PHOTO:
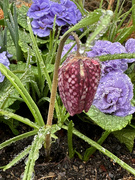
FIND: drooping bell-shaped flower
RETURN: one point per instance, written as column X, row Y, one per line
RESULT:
column 78, row 80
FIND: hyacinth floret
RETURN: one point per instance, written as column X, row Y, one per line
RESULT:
column 114, row 94
column 39, row 8
column 130, row 48
column 43, row 13
column 105, row 48
column 39, row 27
column 4, row 60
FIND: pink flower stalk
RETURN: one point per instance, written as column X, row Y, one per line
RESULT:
column 78, row 80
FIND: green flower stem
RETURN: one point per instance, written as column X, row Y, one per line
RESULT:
column 53, row 94
column 116, row 56
column 18, row 118
column 103, row 150
column 70, row 141
column 54, row 87
column 91, row 150
column 15, row 81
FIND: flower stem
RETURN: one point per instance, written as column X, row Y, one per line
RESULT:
column 77, row 42
column 54, row 87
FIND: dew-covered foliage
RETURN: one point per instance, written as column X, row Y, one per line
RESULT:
column 60, row 60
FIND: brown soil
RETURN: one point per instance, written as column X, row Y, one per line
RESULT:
column 99, row 166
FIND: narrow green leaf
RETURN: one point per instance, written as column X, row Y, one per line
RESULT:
column 44, row 72
column 116, row 56
column 101, row 28
column 91, row 150
column 133, row 12
column 34, row 152
column 11, row 30
column 18, row 158
column 124, row 34
column 90, row 19
column 8, row 94
column 18, row 118
column 17, row 138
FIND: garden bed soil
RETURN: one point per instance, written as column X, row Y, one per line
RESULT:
column 99, row 166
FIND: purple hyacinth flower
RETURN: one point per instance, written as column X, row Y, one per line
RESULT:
column 57, row 9
column 4, row 60
column 130, row 45
column 39, row 8
column 106, row 47
column 70, row 7
column 66, row 13
column 130, row 48
column 114, row 93
column 42, row 26
column 114, row 66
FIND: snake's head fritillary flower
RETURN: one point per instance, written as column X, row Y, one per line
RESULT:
column 78, row 80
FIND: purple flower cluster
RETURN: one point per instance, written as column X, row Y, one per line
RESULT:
column 106, row 47
column 114, row 93
column 44, row 11
column 115, row 90
column 4, row 60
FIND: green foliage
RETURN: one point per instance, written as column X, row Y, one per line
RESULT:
column 90, row 19
column 118, row 31
column 22, row 16
column 30, row 81
column 18, row 158
column 11, row 123
column 12, row 25
column 70, row 143
column 91, row 150
column 23, row 92
column 108, row 122
column 3, row 40
column 101, row 28
column 126, row 136
column 8, row 94
column 25, row 43
column 34, row 152
column 102, row 149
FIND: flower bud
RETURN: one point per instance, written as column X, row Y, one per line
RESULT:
column 78, row 80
